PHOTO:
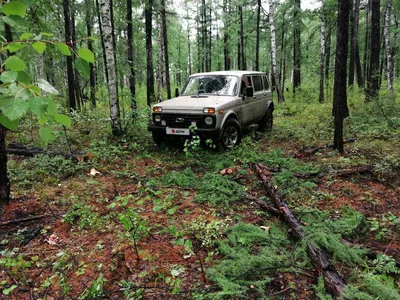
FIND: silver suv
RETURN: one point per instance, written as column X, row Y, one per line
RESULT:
column 216, row 105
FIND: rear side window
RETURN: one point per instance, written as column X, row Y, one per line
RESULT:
column 257, row 83
column 266, row 85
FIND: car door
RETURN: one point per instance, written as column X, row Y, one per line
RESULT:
column 248, row 105
column 259, row 98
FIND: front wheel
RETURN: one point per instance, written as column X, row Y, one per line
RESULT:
column 231, row 134
column 159, row 137
column 267, row 121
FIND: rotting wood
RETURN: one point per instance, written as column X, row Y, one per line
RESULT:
column 23, row 220
column 309, row 152
column 262, row 204
column 319, row 258
column 352, row 171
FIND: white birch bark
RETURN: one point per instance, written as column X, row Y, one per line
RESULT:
column 273, row 51
column 160, row 62
column 386, row 33
column 112, row 85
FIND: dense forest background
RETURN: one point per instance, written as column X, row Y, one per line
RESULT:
column 91, row 208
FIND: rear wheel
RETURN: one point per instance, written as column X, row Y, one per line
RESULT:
column 231, row 134
column 267, row 121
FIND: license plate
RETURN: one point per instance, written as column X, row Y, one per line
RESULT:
column 178, row 131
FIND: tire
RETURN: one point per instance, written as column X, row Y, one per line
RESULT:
column 231, row 134
column 159, row 137
column 267, row 121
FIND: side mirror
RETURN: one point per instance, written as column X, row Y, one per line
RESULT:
column 249, row 91
column 176, row 92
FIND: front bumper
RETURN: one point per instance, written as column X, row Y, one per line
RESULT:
column 209, row 132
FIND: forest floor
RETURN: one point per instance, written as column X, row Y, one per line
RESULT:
column 132, row 220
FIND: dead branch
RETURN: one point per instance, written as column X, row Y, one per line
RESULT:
column 262, row 204
column 352, row 171
column 23, row 220
column 309, row 152
column 333, row 281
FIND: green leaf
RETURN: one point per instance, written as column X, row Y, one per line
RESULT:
column 63, row 48
column 83, row 67
column 46, row 133
column 6, row 122
column 9, row 76
column 24, row 78
column 63, row 120
column 13, row 47
column 14, row 8
column 46, row 34
column 14, row 63
column 47, row 87
column 16, row 22
column 86, row 54
column 52, row 107
column 35, row 90
column 14, row 109
column 38, row 105
column 39, row 47
column 9, row 290
column 26, row 36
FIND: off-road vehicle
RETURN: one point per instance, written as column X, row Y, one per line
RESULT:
column 215, row 105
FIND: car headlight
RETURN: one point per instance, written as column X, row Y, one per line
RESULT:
column 157, row 109
column 208, row 121
column 209, row 110
column 157, row 118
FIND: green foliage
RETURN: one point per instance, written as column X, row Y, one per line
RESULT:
column 206, row 231
column 130, row 291
column 320, row 291
column 83, row 216
column 95, row 290
column 385, row 225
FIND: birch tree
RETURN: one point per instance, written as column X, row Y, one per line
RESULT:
column 111, row 65
column 389, row 50
column 149, row 51
column 273, row 51
column 321, row 96
column 129, row 30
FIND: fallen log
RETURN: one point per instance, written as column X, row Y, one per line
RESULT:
column 20, row 149
column 23, row 220
column 352, row 171
column 319, row 258
column 309, row 152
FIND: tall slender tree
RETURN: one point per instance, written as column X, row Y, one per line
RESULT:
column 111, row 65
column 102, row 41
column 296, row 46
column 165, row 41
column 340, row 108
column 92, row 75
column 148, row 14
column 389, row 49
column 70, row 67
column 321, row 96
column 373, row 76
column 129, row 30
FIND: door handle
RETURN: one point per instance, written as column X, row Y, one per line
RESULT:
column 254, row 97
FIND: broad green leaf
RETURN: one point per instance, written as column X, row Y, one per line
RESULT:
column 47, row 87
column 86, row 54
column 26, row 36
column 39, row 47
column 38, row 105
column 14, row 63
column 9, row 76
column 18, row 91
column 46, row 133
column 63, row 48
column 16, row 22
column 52, row 107
column 63, row 120
column 15, row 8
column 14, row 109
column 9, row 290
column 46, row 34
column 35, row 90
column 24, row 78
column 13, row 47
column 6, row 122
column 83, row 67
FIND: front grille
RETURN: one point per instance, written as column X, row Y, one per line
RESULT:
column 185, row 120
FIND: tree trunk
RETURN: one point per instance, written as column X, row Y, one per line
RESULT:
column 321, row 96
column 112, row 86
column 149, row 51
column 296, row 47
column 243, row 57
column 189, row 46
column 328, row 53
column 70, row 68
column 92, row 76
column 373, row 78
column 389, row 50
column 160, row 64
column 367, row 42
column 227, row 62
column 165, row 40
column 258, row 34
column 129, row 30
column 282, row 68
column 273, row 52
column 77, row 89
column 102, row 41
column 340, row 109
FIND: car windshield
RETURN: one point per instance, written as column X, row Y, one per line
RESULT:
column 211, row 84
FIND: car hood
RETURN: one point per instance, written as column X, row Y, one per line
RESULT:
column 194, row 103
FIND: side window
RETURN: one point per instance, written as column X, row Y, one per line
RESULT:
column 266, row 85
column 246, row 81
column 257, row 83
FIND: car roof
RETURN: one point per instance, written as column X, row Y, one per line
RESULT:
column 235, row 73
